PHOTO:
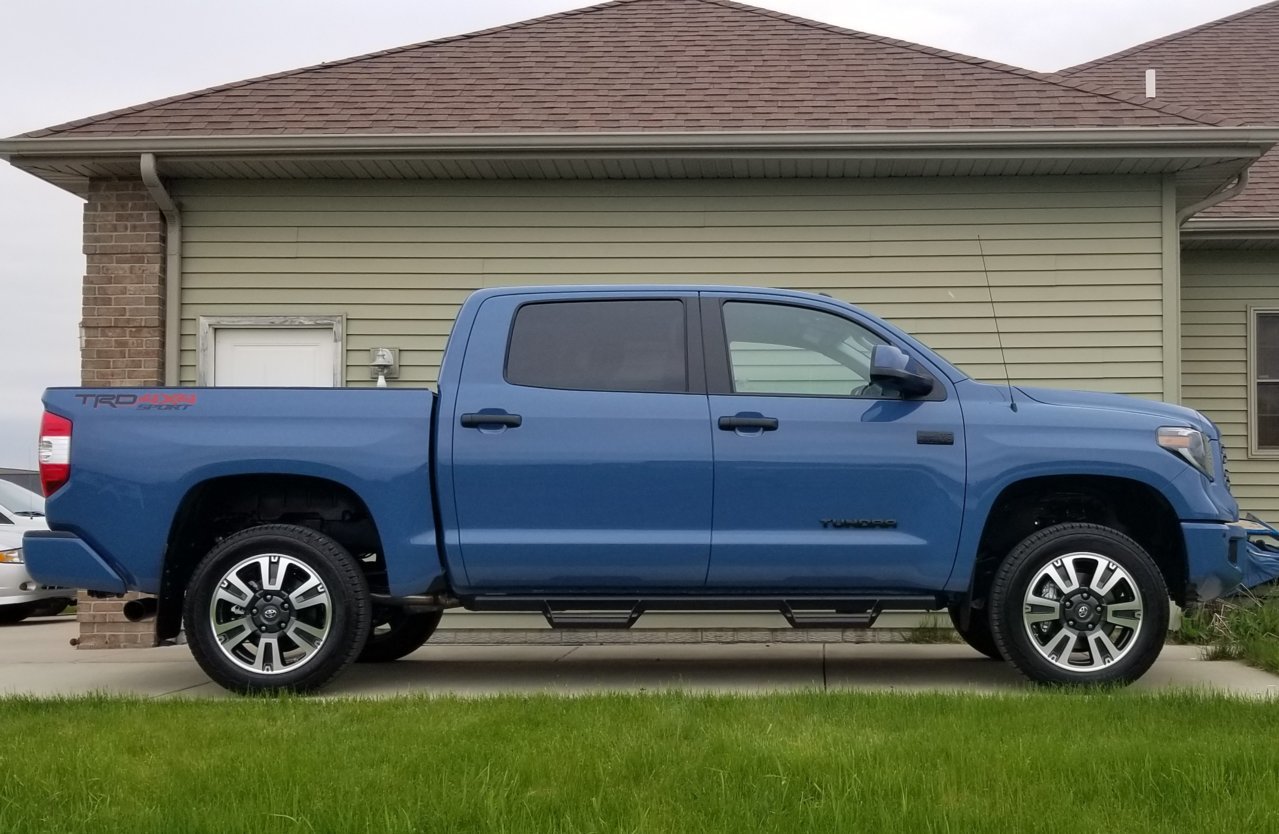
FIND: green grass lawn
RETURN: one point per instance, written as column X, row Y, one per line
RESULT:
column 1043, row 761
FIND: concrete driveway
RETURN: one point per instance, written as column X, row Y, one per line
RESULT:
column 36, row 658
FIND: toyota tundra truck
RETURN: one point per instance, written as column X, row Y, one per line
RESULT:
column 596, row 453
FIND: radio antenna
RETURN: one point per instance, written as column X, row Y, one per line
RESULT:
column 999, row 339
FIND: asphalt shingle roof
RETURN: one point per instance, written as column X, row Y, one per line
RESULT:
column 1229, row 66
column 642, row 65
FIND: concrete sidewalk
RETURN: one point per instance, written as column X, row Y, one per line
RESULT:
column 36, row 658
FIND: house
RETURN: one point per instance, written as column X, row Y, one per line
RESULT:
column 282, row 229
column 1230, row 252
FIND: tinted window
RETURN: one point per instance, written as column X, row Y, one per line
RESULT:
column 599, row 346
column 777, row 349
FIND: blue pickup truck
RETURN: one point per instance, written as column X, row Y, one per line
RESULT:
column 595, row 453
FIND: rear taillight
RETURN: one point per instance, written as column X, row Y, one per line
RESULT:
column 55, row 452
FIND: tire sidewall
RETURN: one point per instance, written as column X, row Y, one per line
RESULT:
column 342, row 578
column 1028, row 558
column 409, row 632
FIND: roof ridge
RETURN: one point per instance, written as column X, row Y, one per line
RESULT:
column 1188, row 113
column 1141, row 47
column 124, row 111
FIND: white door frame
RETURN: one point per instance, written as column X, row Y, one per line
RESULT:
column 206, row 325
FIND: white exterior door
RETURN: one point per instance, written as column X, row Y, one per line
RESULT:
column 285, row 357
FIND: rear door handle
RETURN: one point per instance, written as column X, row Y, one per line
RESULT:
column 742, row 422
column 485, row 419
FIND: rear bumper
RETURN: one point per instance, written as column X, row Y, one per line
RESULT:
column 64, row 559
column 1214, row 552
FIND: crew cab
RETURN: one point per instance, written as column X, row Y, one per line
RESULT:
column 596, row 453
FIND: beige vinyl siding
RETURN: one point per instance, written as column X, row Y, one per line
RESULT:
column 1075, row 263
column 1218, row 288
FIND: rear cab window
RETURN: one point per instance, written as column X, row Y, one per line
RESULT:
column 633, row 345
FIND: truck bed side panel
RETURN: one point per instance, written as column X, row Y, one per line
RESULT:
column 134, row 460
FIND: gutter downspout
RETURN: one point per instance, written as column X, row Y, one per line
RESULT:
column 172, row 267
column 1213, row 199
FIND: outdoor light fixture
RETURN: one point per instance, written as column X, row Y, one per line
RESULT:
column 384, row 364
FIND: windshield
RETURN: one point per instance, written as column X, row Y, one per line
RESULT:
column 20, row 501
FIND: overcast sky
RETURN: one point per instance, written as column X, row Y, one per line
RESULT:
column 64, row 59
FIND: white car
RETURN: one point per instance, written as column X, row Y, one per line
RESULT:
column 20, row 595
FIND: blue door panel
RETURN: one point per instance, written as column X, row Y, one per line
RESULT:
column 592, row 491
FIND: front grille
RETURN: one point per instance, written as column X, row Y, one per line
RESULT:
column 1225, row 465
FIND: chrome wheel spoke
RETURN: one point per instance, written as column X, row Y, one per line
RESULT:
column 272, row 572
column 1126, row 614
column 1102, row 649
column 1107, row 576
column 1065, row 574
column 1040, row 609
column 266, row 658
column 1061, row 646
column 227, row 635
column 232, row 591
column 309, row 593
column 306, row 636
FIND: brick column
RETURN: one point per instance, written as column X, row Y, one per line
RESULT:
column 123, row 341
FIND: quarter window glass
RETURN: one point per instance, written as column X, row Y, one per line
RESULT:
column 600, row 346
column 1266, row 367
column 777, row 349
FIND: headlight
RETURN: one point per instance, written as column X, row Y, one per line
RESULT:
column 11, row 557
column 1189, row 444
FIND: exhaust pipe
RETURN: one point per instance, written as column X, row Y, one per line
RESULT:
column 138, row 610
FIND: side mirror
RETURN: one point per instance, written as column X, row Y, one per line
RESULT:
column 893, row 370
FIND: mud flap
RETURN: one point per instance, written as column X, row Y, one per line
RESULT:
column 1260, row 562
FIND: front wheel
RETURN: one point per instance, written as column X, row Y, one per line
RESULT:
column 277, row 608
column 1079, row 604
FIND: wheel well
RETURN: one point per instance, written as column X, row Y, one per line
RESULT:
column 1131, row 507
column 218, row 508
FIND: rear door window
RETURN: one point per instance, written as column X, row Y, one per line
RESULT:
column 612, row 345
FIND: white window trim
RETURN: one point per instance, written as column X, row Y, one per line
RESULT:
column 206, row 325
column 1254, row 448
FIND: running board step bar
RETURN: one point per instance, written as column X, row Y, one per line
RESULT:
column 603, row 612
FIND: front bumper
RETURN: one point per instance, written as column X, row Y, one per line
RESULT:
column 1214, row 556
column 64, row 559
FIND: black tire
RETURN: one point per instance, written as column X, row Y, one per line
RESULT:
column 50, row 607
column 315, row 573
column 10, row 614
column 1122, row 631
column 397, row 632
column 977, row 633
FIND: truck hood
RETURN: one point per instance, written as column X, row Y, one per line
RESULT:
column 1174, row 414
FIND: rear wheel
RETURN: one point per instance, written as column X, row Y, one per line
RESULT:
column 1079, row 604
column 976, row 632
column 398, row 632
column 277, row 608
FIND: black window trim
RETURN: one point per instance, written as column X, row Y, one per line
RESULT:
column 719, row 373
column 695, row 363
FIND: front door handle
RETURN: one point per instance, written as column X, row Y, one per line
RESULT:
column 748, row 422
column 484, row 419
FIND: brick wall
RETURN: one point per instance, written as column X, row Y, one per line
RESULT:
column 123, row 328
column 123, row 286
